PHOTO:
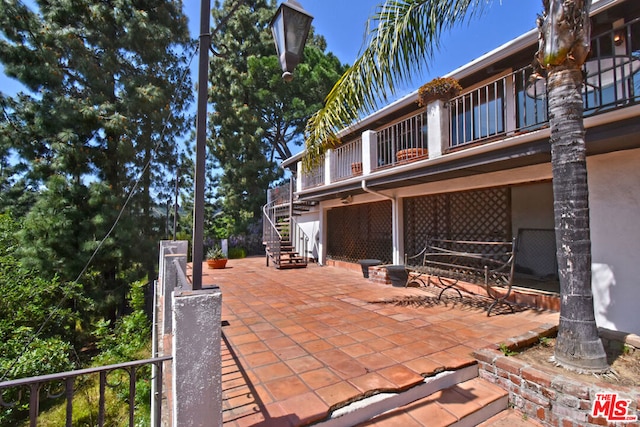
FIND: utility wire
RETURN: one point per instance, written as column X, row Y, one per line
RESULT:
column 113, row 227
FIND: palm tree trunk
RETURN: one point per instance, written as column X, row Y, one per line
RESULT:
column 578, row 346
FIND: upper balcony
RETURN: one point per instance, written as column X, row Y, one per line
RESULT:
column 493, row 110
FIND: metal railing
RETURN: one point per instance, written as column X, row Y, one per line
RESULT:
column 508, row 105
column 346, row 160
column 517, row 103
column 402, row 141
column 63, row 386
column 313, row 178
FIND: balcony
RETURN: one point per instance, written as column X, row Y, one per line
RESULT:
column 510, row 104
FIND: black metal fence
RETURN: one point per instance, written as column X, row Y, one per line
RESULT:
column 28, row 394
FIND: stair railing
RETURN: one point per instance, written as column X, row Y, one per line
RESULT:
column 271, row 237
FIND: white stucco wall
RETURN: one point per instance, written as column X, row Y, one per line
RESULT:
column 614, row 198
column 310, row 224
column 532, row 206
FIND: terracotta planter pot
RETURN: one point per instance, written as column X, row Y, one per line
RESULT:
column 217, row 263
column 412, row 154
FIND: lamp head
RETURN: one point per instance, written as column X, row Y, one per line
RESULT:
column 290, row 27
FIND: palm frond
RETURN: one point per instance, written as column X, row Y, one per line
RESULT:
column 401, row 37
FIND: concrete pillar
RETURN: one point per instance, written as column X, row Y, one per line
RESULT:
column 327, row 167
column 300, row 178
column 369, row 152
column 197, row 364
column 437, row 128
column 169, row 283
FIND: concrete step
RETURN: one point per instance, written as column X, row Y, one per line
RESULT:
column 510, row 418
column 452, row 398
column 467, row 404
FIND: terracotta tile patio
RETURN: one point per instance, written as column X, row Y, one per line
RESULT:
column 298, row 344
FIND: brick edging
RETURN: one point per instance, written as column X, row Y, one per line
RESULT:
column 551, row 399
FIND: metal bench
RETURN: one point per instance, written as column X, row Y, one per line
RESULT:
column 488, row 264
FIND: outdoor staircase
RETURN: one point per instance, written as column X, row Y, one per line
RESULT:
column 286, row 244
column 283, row 253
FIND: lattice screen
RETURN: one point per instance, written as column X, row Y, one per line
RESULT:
column 483, row 215
column 360, row 232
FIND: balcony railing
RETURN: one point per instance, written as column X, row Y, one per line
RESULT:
column 313, row 178
column 402, row 141
column 611, row 81
column 63, row 387
column 346, row 160
column 506, row 106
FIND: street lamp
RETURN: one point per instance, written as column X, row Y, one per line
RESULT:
column 290, row 27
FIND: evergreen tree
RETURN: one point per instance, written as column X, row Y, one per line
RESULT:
column 257, row 116
column 108, row 96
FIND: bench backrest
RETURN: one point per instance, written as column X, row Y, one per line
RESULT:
column 475, row 261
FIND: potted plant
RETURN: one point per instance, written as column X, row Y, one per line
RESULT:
column 443, row 88
column 216, row 258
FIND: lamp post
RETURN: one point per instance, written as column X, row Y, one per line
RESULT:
column 290, row 29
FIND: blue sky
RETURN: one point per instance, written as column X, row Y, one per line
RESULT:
column 342, row 23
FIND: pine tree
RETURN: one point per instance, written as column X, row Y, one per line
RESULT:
column 104, row 78
column 257, row 116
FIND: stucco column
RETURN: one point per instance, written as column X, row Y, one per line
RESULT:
column 437, row 128
column 369, row 152
column 327, row 167
column 197, row 364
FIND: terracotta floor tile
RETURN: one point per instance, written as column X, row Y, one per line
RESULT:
column 243, row 339
column 340, row 340
column 451, row 361
column 400, row 354
column 292, row 352
column 401, row 338
column 332, row 356
column 429, row 413
column 307, row 408
column 395, row 418
column 272, row 372
column 401, row 376
column 260, row 359
column 363, row 335
column 337, row 393
column 375, row 361
column 250, row 348
column 357, row 350
column 316, row 346
column 380, row 344
column 370, row 382
column 279, row 342
column 304, row 364
column 348, row 369
column 303, row 337
column 481, row 391
column 424, row 366
column 457, row 403
column 292, row 330
column 319, row 378
column 287, row 387
column 334, row 336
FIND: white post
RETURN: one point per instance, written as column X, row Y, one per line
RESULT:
column 369, row 152
column 197, row 363
column 437, row 128
column 327, row 167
